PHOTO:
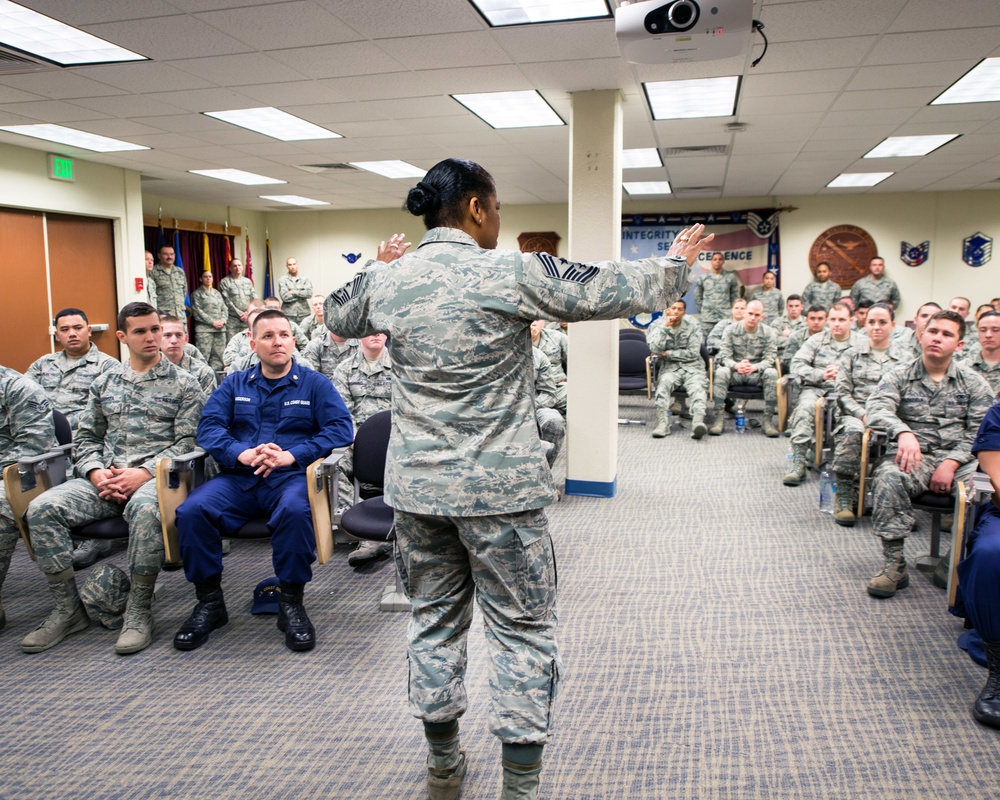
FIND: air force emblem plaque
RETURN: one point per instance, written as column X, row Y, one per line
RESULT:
column 913, row 255
column 977, row 249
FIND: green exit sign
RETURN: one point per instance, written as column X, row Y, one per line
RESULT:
column 60, row 168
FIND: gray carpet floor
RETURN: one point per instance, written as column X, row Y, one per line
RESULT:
column 716, row 637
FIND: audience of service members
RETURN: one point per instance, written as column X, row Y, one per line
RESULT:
column 927, row 385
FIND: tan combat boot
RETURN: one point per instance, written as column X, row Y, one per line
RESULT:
column 69, row 615
column 770, row 429
column 137, row 629
column 718, row 423
column 893, row 575
column 846, row 501
column 698, row 428
column 520, row 782
column 662, row 424
column 797, row 470
column 446, row 766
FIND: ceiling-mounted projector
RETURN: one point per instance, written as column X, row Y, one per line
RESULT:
column 672, row 31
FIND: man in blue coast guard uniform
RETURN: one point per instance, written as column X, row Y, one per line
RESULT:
column 264, row 426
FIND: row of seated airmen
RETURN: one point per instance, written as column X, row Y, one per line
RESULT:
column 164, row 399
column 930, row 388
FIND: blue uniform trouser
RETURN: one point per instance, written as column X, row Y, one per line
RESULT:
column 979, row 576
column 217, row 509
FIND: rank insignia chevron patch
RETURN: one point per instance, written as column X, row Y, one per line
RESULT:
column 913, row 255
column 977, row 249
column 346, row 293
column 564, row 270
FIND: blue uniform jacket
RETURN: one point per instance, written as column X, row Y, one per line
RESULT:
column 302, row 414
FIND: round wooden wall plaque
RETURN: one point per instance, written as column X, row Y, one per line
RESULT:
column 848, row 250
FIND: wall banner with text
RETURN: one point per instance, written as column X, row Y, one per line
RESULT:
column 747, row 239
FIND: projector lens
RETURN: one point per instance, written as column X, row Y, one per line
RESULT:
column 683, row 15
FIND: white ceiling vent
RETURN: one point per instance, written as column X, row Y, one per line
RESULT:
column 13, row 62
column 696, row 150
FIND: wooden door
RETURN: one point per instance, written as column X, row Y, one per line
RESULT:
column 82, row 272
column 24, row 294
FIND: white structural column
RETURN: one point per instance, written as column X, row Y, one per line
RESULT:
column 595, row 191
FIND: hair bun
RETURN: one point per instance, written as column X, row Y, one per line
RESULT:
column 422, row 199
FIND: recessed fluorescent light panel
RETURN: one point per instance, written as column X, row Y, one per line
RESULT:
column 499, row 13
column 850, row 180
column 294, row 200
column 390, row 169
column 73, row 137
column 981, row 84
column 42, row 36
column 511, row 109
column 274, row 123
column 692, row 99
column 646, row 187
column 641, row 157
column 901, row 146
column 235, row 176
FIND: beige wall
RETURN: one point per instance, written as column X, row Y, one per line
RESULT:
column 319, row 238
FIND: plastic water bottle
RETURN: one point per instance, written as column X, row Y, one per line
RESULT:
column 741, row 419
column 827, row 491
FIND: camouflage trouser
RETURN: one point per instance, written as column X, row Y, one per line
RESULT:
column 507, row 563
column 692, row 378
column 847, row 438
column 9, row 534
column 232, row 328
column 707, row 325
column 211, row 343
column 725, row 377
column 52, row 514
column 551, row 428
column 892, row 512
column 802, row 424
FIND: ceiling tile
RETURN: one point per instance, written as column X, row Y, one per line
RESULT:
column 338, row 60
column 939, row 74
column 930, row 15
column 205, row 99
column 823, row 20
column 382, row 19
column 941, row 45
column 293, row 93
column 53, row 111
column 884, row 98
column 280, row 25
column 144, row 76
column 87, row 12
column 63, row 84
column 823, row 54
column 758, row 84
column 389, row 86
column 168, row 38
column 240, row 69
column 471, row 49
column 596, row 38
column 130, row 105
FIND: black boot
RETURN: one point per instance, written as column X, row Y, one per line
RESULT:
column 986, row 709
column 208, row 615
column 293, row 620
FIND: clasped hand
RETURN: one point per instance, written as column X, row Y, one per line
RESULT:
column 266, row 458
column 118, row 484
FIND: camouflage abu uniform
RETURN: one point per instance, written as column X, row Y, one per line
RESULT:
column 208, row 306
column 991, row 372
column 680, row 363
column 295, row 293
column 861, row 368
column 465, row 470
column 820, row 351
column 714, row 340
column 867, row 291
column 760, row 349
column 132, row 419
column 366, row 389
column 171, row 290
column 555, row 344
column 945, row 419
column 203, row 373
column 714, row 295
column 236, row 292
column 794, row 326
column 773, row 302
column 549, row 399
column 324, row 355
column 823, row 294
column 151, row 291
column 66, row 382
column 26, row 429
column 237, row 347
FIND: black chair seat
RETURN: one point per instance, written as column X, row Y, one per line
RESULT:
column 630, row 382
column 934, row 501
column 111, row 528
column 370, row 519
column 745, row 391
column 254, row 529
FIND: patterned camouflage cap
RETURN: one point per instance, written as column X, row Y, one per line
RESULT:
column 105, row 593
